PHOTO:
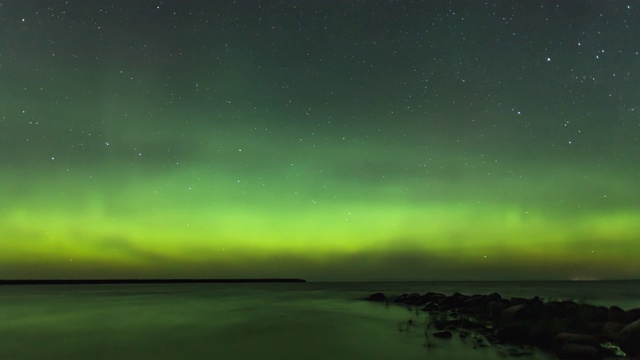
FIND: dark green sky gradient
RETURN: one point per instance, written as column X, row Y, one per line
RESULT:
column 320, row 139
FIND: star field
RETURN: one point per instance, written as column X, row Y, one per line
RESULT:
column 325, row 140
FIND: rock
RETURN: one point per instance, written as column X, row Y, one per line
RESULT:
column 590, row 313
column 474, row 300
column 629, row 338
column 633, row 315
column 561, row 309
column 377, row 297
column 494, row 308
column 600, row 314
column 616, row 314
column 512, row 313
column 443, row 334
column 513, row 333
column 454, row 301
column 610, row 330
column 408, row 299
column 493, row 297
column 430, row 306
column 434, row 297
column 518, row 300
column 578, row 352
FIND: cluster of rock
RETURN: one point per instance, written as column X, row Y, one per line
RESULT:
column 566, row 328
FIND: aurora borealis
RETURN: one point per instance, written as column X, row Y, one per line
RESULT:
column 327, row 140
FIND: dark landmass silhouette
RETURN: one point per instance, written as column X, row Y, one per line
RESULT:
column 142, row 281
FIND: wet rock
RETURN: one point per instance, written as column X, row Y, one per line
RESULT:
column 600, row 314
column 518, row 300
column 633, row 315
column 454, row 301
column 494, row 308
column 512, row 313
column 443, row 334
column 407, row 299
column 589, row 313
column 430, row 306
column 610, row 330
column 433, row 297
column 493, row 297
column 377, row 297
column 616, row 314
column 629, row 338
column 513, row 333
column 474, row 300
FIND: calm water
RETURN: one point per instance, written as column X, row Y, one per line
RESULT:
column 247, row 321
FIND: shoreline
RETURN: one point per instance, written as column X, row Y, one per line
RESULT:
column 565, row 328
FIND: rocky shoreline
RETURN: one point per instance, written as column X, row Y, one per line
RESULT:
column 565, row 328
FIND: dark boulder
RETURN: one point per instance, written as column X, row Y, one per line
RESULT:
column 629, row 338
column 493, row 297
column 408, row 299
column 430, row 307
column 518, row 300
column 494, row 308
column 513, row 313
column 610, row 330
column 616, row 314
column 400, row 299
column 633, row 315
column 434, row 297
column 513, row 333
column 377, row 297
column 600, row 314
column 453, row 302
column 474, row 301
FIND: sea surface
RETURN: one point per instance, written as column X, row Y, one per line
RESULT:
column 252, row 321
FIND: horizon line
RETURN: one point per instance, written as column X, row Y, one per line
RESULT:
column 262, row 280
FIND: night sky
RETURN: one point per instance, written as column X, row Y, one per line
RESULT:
column 326, row 140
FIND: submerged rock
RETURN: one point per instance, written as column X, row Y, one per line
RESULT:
column 377, row 297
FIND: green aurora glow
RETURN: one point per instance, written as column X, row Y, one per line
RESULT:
column 329, row 142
